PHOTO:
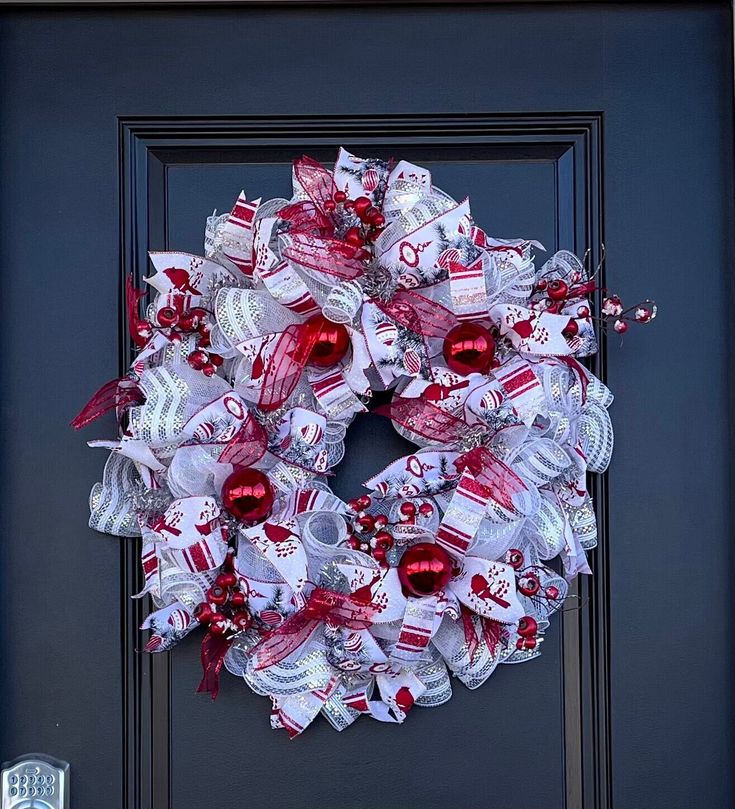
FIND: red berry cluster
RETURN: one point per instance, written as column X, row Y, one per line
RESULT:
column 190, row 321
column 371, row 220
column 558, row 292
column 527, row 629
column 225, row 607
column 528, row 582
column 369, row 533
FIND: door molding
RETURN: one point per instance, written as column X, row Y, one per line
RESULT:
column 148, row 146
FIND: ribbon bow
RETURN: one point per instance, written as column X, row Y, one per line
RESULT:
column 322, row 606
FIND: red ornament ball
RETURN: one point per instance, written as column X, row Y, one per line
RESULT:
column 247, row 495
column 469, row 348
column 331, row 344
column 425, row 569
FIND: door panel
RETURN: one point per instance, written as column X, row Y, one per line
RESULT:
column 151, row 118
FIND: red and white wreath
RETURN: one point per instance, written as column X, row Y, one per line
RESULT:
column 254, row 359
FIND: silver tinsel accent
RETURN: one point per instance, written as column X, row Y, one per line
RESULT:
column 476, row 436
column 226, row 281
column 150, row 504
column 332, row 578
column 380, row 282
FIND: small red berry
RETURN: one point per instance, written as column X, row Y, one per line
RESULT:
column 188, row 321
column 330, row 205
column 426, row 509
column 238, row 599
column 378, row 220
column 209, row 370
column 226, row 580
column 203, row 613
column 354, row 237
column 340, row 196
column 379, row 554
column 383, row 540
column 366, row 523
column 363, row 502
column 167, row 316
column 349, row 205
column 583, row 311
column 218, row 627
column 620, row 326
column 408, row 509
column 217, row 595
column 571, row 329
column 529, row 585
column 557, row 289
column 526, row 644
column 515, row 558
column 381, row 521
column 527, row 626
column 242, row 620
column 354, row 543
column 361, row 205
column 198, row 359
column 551, row 592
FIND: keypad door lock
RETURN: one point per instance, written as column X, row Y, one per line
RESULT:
column 35, row 781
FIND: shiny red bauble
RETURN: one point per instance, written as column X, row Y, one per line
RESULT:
column 332, row 340
column 425, row 569
column 469, row 349
column 247, row 494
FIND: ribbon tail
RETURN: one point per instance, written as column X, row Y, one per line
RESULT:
column 113, row 394
column 214, row 649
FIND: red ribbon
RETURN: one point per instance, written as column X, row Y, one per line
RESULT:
column 493, row 633
column 285, row 364
column 350, row 611
column 117, row 393
column 491, row 472
column 214, row 649
column 424, row 419
column 325, row 256
column 417, row 313
column 580, row 371
column 247, row 446
column 133, row 297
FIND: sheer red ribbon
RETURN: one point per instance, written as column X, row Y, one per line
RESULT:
column 213, row 651
column 133, row 297
column 284, row 366
column 117, row 393
column 493, row 633
column 580, row 371
column 425, row 419
column 417, row 313
column 323, row 255
column 247, row 446
column 490, row 471
column 350, row 611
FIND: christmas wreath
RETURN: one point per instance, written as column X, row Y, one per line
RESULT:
column 253, row 360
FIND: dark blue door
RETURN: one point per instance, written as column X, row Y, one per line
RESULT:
column 576, row 124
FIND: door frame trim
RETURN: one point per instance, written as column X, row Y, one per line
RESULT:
column 77, row 4
column 147, row 146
